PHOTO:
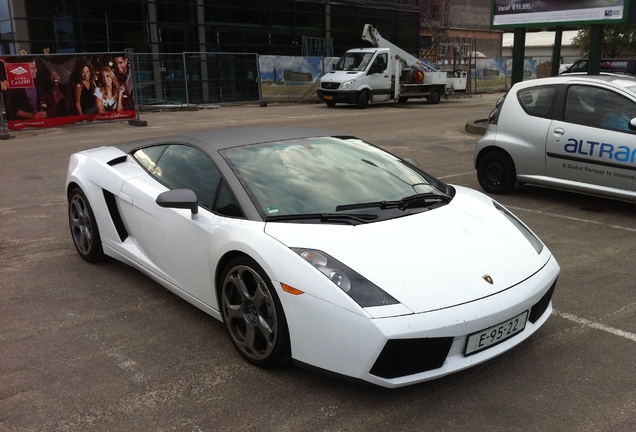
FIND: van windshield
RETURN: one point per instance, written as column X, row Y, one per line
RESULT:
column 353, row 61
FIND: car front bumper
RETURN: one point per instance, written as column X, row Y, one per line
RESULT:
column 353, row 346
column 338, row 96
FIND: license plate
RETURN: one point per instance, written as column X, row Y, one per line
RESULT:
column 498, row 333
column 328, row 97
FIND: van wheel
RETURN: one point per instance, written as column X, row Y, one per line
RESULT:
column 363, row 99
column 435, row 97
column 496, row 172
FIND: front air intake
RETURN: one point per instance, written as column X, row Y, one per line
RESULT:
column 402, row 357
column 540, row 307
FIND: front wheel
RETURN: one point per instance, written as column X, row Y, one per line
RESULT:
column 363, row 99
column 83, row 226
column 253, row 315
column 496, row 172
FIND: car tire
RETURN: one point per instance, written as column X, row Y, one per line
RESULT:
column 253, row 314
column 435, row 97
column 496, row 172
column 84, row 230
column 402, row 99
column 363, row 99
column 331, row 104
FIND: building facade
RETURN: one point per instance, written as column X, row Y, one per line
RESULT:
column 273, row 27
column 452, row 28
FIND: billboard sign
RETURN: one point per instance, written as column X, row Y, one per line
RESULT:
column 532, row 13
column 54, row 90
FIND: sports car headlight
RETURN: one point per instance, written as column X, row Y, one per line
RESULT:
column 533, row 239
column 347, row 84
column 361, row 290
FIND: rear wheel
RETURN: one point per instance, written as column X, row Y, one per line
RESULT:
column 84, row 227
column 253, row 314
column 402, row 99
column 363, row 99
column 331, row 104
column 436, row 96
column 496, row 172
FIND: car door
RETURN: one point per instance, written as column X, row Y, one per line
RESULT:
column 172, row 242
column 524, row 125
column 379, row 78
column 591, row 142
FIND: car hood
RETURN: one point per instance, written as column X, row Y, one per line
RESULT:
column 431, row 260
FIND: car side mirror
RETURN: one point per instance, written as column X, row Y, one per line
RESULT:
column 179, row 198
column 632, row 124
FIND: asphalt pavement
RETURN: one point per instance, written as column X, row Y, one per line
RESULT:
column 103, row 348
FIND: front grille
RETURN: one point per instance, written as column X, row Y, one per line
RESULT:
column 402, row 357
column 330, row 85
column 539, row 308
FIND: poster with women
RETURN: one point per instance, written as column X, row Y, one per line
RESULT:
column 43, row 91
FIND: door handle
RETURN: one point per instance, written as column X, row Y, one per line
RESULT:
column 558, row 132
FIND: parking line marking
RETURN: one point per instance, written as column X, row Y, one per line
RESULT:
column 573, row 218
column 455, row 175
column 595, row 325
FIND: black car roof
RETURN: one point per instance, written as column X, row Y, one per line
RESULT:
column 214, row 140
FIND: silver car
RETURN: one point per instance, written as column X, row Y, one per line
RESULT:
column 575, row 132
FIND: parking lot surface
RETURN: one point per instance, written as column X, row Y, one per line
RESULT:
column 103, row 348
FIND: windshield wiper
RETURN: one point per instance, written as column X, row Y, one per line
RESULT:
column 422, row 199
column 348, row 218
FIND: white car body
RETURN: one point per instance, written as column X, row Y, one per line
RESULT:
column 462, row 268
column 553, row 132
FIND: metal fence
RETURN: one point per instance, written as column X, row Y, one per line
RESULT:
column 195, row 78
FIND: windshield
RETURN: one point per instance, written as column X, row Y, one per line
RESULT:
column 353, row 61
column 324, row 175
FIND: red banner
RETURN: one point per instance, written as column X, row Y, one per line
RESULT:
column 54, row 90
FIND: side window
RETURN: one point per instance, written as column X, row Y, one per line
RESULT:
column 580, row 105
column 379, row 64
column 538, row 101
column 226, row 204
column 614, row 111
column 598, row 107
column 148, row 156
column 182, row 166
column 579, row 66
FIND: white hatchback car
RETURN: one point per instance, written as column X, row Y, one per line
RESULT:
column 575, row 132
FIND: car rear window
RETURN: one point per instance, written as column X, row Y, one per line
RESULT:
column 538, row 101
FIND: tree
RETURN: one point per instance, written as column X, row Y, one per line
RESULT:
column 616, row 38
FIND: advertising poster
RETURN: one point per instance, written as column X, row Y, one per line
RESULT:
column 528, row 13
column 54, row 90
column 285, row 78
